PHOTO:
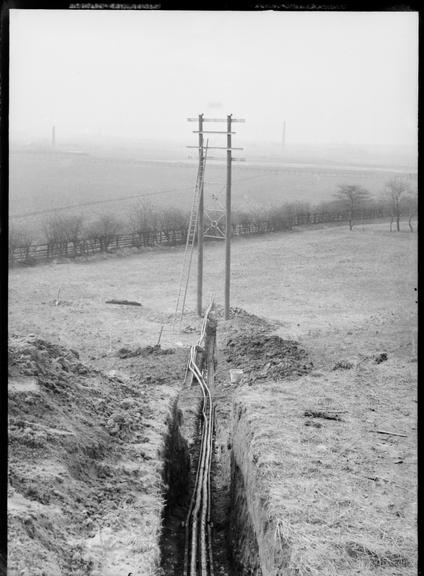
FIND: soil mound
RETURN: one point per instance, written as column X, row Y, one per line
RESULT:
column 268, row 357
column 241, row 319
column 78, row 442
column 51, row 363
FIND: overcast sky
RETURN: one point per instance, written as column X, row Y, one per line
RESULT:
column 333, row 76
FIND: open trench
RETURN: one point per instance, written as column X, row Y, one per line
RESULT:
column 234, row 545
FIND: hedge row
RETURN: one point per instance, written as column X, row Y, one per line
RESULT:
column 67, row 243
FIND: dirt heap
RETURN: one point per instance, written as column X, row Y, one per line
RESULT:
column 83, row 448
column 32, row 356
column 240, row 319
column 264, row 356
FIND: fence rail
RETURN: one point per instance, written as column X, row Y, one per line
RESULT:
column 35, row 253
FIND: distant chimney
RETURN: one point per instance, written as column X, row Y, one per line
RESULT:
column 53, row 136
column 283, row 142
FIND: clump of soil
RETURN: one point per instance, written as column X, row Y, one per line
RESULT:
column 379, row 358
column 268, row 357
column 51, row 363
column 146, row 351
column 323, row 415
column 343, row 365
column 313, row 424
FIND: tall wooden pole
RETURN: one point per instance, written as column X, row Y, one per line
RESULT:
column 228, row 233
column 200, row 227
column 228, row 227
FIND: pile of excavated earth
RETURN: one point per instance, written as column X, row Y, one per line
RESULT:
column 266, row 357
column 85, row 461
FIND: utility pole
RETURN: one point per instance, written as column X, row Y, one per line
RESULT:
column 228, row 227
column 228, row 231
column 200, row 227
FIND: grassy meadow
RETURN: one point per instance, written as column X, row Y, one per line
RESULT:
column 328, row 281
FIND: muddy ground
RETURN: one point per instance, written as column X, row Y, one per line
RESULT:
column 85, row 459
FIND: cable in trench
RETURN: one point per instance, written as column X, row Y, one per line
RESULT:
column 198, row 558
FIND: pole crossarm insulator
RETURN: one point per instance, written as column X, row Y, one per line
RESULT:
column 216, row 147
column 216, row 120
column 212, row 132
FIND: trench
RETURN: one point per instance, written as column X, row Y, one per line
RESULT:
column 234, row 545
column 177, row 482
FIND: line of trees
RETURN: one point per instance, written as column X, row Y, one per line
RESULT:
column 72, row 234
column 402, row 196
column 399, row 197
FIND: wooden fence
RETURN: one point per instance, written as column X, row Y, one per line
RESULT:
column 35, row 253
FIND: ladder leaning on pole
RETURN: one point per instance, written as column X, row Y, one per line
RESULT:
column 191, row 235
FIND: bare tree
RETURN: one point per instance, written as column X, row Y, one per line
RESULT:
column 172, row 219
column 19, row 239
column 351, row 197
column 259, row 214
column 282, row 217
column 72, row 230
column 62, row 229
column 302, row 211
column 104, row 229
column 410, row 203
column 54, row 234
column 397, row 188
column 241, row 216
column 144, row 221
column 72, row 225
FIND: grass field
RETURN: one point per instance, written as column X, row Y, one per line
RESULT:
column 344, row 496
column 40, row 181
column 315, row 282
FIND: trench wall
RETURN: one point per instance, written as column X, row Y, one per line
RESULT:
column 181, row 455
column 177, row 460
column 258, row 549
column 181, row 452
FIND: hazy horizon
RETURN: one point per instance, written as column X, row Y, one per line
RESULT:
column 19, row 139
column 254, row 152
column 335, row 78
